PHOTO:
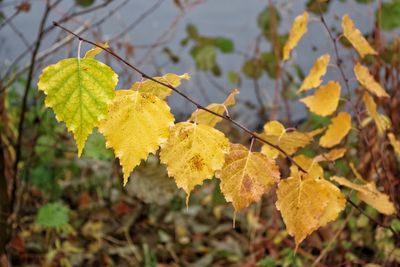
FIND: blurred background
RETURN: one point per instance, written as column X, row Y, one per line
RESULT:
column 75, row 212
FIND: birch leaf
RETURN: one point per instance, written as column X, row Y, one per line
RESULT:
column 311, row 166
column 204, row 117
column 136, row 124
column 318, row 70
column 356, row 38
column 92, row 53
column 193, row 153
column 332, row 155
column 299, row 28
column 381, row 121
column 368, row 81
column 161, row 91
column 337, row 130
column 368, row 193
column 246, row 176
column 308, row 204
column 78, row 91
column 290, row 142
column 325, row 100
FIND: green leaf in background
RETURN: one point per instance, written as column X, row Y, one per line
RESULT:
column 364, row 1
column 390, row 15
column 253, row 68
column 316, row 6
column 53, row 215
column 84, row 3
column 205, row 57
column 225, row 45
column 269, row 64
column 266, row 19
column 45, row 179
column 233, row 77
column 192, row 32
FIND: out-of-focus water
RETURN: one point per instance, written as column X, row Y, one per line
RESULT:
column 234, row 19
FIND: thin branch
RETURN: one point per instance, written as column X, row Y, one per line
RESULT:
column 395, row 234
column 188, row 98
column 24, row 105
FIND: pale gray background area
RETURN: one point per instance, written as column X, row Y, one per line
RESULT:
column 234, row 19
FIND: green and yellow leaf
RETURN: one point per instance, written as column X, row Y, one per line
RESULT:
column 136, row 125
column 246, row 176
column 79, row 91
column 159, row 90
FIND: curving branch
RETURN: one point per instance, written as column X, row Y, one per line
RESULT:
column 188, row 98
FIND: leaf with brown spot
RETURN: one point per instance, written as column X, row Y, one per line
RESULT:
column 246, row 176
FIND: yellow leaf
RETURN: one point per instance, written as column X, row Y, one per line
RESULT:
column 205, row 117
column 299, row 28
column 356, row 38
column 193, row 153
column 318, row 70
column 307, row 204
column 78, row 91
column 368, row 81
column 337, row 130
column 92, row 53
column 161, row 91
column 136, row 124
column 368, row 193
column 290, row 142
column 332, row 155
column 246, row 176
column 325, row 100
column 395, row 143
column 381, row 121
column 311, row 166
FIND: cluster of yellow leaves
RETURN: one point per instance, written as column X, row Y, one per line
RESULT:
column 138, row 121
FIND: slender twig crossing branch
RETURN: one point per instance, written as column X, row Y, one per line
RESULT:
column 188, row 98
